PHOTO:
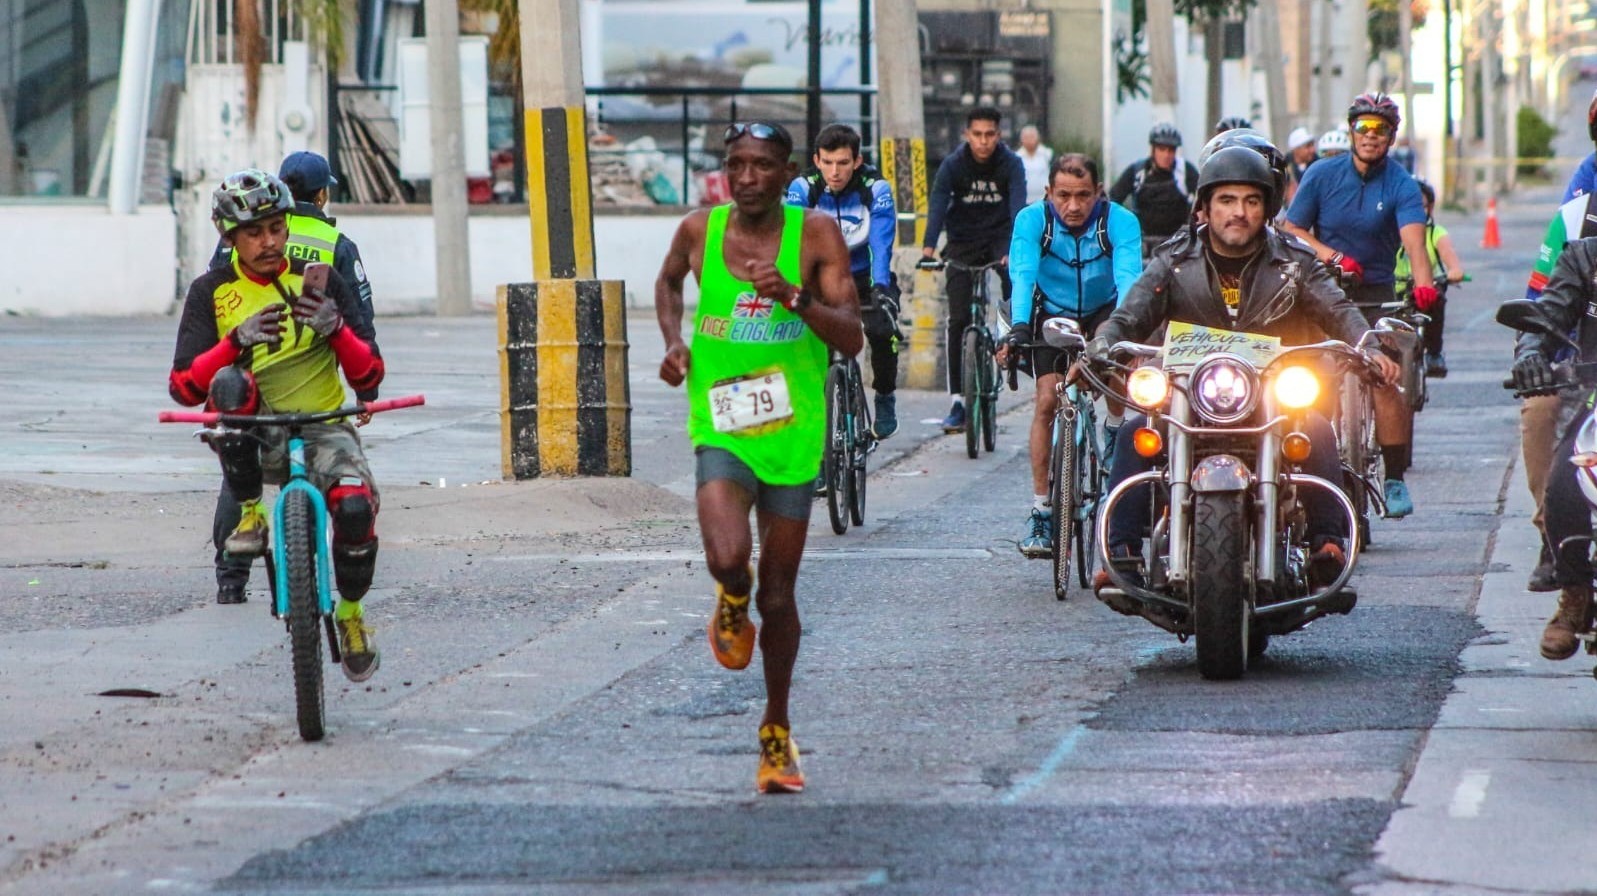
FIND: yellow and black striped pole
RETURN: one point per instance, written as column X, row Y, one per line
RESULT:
column 565, row 404
column 922, row 361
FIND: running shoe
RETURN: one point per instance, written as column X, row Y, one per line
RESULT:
column 357, row 650
column 731, row 629
column 779, row 762
column 955, row 421
column 249, row 537
column 1038, row 543
column 1398, row 502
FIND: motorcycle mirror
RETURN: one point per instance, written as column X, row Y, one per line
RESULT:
column 1527, row 315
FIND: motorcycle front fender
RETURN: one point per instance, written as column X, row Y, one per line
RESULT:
column 1221, row 473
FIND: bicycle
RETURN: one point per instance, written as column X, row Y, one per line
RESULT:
column 979, row 383
column 299, row 566
column 850, row 439
column 1076, row 474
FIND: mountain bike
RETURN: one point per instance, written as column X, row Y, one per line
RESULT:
column 850, row 440
column 979, row 383
column 299, row 567
column 1077, row 475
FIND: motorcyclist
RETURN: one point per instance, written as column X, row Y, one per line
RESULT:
column 1235, row 273
column 1566, row 510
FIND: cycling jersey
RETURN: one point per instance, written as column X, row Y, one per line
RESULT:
column 1584, row 179
column 300, row 373
column 1360, row 215
column 868, row 229
column 1076, row 275
column 314, row 236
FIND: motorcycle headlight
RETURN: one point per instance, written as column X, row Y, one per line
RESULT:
column 1297, row 387
column 1147, row 387
column 1224, row 389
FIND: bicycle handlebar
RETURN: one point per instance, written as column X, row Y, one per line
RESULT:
column 938, row 264
column 213, row 417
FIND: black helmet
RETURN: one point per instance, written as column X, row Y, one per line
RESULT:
column 1230, row 123
column 1248, row 138
column 248, row 195
column 1165, row 134
column 1378, row 104
column 1239, row 165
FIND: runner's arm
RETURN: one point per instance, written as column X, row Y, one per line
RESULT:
column 673, row 274
column 833, row 312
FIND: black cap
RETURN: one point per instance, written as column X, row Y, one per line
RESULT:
column 306, row 172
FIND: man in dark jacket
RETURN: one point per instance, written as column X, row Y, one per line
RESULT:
column 1234, row 273
column 979, row 189
column 1158, row 188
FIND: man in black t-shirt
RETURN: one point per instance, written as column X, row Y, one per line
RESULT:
column 979, row 189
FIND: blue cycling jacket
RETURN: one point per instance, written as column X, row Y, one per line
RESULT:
column 868, row 231
column 1584, row 178
column 1076, row 277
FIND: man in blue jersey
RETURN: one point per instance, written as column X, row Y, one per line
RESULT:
column 979, row 189
column 1073, row 255
column 854, row 195
column 1356, row 211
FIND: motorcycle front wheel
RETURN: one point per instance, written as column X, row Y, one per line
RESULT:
column 1220, row 610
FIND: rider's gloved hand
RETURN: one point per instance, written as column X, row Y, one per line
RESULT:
column 320, row 313
column 1533, row 373
column 1425, row 297
column 886, row 299
column 1350, row 267
column 264, row 327
column 1018, row 337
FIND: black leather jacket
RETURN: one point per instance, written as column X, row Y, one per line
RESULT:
column 1285, row 293
column 1570, row 301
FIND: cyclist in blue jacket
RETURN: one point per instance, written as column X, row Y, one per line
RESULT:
column 1073, row 254
column 861, row 202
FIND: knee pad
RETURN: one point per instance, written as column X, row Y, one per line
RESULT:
column 233, row 392
column 353, row 511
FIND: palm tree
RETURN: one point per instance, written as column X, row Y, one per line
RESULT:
column 323, row 20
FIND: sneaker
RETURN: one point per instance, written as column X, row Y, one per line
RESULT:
column 820, row 485
column 731, row 629
column 231, row 593
column 357, row 651
column 1436, row 366
column 955, row 421
column 886, row 416
column 249, row 537
column 1398, row 502
column 779, row 762
column 1039, row 544
column 1326, row 563
column 1543, row 579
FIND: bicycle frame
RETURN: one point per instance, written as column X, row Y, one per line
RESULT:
column 299, row 480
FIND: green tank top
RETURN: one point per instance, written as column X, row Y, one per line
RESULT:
column 741, row 343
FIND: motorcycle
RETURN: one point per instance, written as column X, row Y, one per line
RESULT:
column 1527, row 316
column 1228, row 554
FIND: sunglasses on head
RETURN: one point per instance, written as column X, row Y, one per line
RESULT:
column 1374, row 126
column 758, row 130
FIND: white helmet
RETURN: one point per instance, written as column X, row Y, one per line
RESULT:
column 1333, row 141
column 1299, row 137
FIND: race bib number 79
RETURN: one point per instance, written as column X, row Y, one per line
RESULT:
column 749, row 402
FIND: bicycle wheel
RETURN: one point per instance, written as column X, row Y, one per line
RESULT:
column 859, row 450
column 1089, row 492
column 989, row 410
column 834, row 464
column 971, row 386
column 1064, row 498
column 304, row 613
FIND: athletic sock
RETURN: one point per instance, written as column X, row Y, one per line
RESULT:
column 1040, row 502
column 1396, row 458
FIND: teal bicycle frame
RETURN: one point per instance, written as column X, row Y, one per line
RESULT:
column 298, row 480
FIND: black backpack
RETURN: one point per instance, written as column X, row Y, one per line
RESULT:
column 865, row 178
column 1101, row 231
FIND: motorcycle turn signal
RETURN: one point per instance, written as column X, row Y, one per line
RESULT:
column 1147, row 442
column 1295, row 447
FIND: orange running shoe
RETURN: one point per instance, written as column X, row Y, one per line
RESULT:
column 779, row 762
column 731, row 630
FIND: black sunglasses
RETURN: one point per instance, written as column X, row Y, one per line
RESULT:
column 759, row 131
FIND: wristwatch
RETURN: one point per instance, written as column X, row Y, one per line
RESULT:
column 801, row 300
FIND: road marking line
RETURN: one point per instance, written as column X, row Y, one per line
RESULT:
column 1061, row 752
column 1470, row 794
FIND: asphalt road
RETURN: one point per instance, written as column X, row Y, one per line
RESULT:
column 547, row 718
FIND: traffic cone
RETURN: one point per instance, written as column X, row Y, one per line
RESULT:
column 1492, row 240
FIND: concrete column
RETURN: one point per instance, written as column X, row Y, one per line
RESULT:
column 1268, row 18
column 1160, row 28
column 451, row 241
column 132, row 104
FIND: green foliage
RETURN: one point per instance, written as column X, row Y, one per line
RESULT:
column 324, row 22
column 1383, row 28
column 1131, row 70
column 1535, row 139
column 1199, row 12
column 1087, row 146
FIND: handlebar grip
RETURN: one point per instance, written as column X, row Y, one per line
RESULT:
column 1014, row 377
column 389, row 404
column 189, row 417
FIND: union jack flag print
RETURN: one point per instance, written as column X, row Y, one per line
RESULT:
column 752, row 305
